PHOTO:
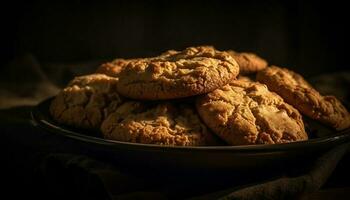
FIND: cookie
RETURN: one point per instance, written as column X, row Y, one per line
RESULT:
column 86, row 101
column 248, row 62
column 196, row 70
column 245, row 113
column 114, row 67
column 244, row 78
column 156, row 123
column 299, row 93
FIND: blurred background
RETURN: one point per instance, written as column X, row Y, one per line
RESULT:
column 307, row 36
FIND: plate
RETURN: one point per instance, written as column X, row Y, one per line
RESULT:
column 240, row 158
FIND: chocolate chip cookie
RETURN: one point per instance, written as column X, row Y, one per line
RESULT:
column 86, row 101
column 248, row 62
column 156, row 123
column 299, row 93
column 193, row 71
column 245, row 113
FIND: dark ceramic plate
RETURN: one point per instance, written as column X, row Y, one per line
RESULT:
column 208, row 157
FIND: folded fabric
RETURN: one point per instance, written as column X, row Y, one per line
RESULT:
column 88, row 177
column 288, row 187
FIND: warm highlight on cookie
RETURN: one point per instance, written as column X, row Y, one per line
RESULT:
column 156, row 123
column 196, row 70
column 299, row 93
column 114, row 67
column 244, row 113
column 86, row 101
column 248, row 62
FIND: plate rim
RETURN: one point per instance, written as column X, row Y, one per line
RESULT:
column 51, row 126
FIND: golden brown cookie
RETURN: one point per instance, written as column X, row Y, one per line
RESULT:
column 299, row 93
column 244, row 78
column 114, row 67
column 156, row 123
column 244, row 113
column 86, row 101
column 248, row 62
column 196, row 70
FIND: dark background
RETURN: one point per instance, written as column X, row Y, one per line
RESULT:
column 307, row 36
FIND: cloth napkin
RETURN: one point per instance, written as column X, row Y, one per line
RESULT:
column 111, row 183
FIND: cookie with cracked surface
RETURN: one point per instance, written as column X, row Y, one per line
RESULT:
column 156, row 123
column 193, row 71
column 248, row 62
column 86, row 101
column 114, row 67
column 245, row 113
column 299, row 93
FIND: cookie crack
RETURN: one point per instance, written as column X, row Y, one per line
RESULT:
column 256, row 123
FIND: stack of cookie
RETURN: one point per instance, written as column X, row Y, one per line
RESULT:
column 195, row 97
